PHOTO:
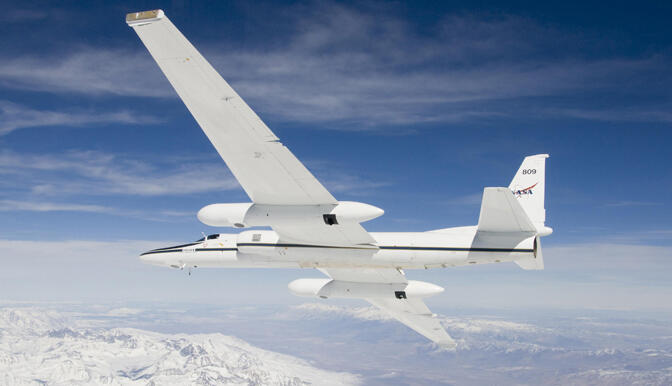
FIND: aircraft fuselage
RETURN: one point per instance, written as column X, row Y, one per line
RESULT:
column 407, row 250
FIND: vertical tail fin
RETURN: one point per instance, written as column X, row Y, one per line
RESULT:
column 517, row 215
column 529, row 186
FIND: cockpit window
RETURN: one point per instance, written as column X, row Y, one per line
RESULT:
column 201, row 239
column 212, row 237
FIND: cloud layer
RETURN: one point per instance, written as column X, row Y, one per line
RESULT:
column 363, row 69
column 97, row 173
column 14, row 116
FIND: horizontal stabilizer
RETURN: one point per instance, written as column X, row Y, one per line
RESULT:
column 501, row 212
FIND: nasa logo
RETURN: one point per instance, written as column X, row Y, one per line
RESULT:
column 523, row 192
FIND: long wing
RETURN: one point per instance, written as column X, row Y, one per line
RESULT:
column 411, row 312
column 268, row 172
column 415, row 314
column 264, row 167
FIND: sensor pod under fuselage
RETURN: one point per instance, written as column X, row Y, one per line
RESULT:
column 329, row 288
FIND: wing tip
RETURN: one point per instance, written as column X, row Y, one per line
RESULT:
column 143, row 17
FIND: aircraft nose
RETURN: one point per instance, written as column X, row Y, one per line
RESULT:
column 146, row 257
column 155, row 257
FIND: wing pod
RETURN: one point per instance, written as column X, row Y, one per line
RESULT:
column 242, row 215
column 356, row 211
column 224, row 215
column 328, row 288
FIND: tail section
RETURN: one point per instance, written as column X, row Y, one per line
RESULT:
column 517, row 214
column 529, row 186
column 535, row 263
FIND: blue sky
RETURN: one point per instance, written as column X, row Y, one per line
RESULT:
column 420, row 106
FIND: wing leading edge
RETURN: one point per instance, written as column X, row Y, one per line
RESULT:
column 268, row 172
column 412, row 312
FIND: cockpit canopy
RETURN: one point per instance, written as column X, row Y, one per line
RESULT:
column 210, row 237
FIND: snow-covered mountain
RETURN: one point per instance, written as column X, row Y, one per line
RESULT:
column 182, row 344
column 39, row 347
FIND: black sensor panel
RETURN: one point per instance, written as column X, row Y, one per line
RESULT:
column 330, row 219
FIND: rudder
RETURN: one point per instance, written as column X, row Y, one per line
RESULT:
column 529, row 186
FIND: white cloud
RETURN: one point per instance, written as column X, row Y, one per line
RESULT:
column 471, row 325
column 599, row 275
column 366, row 69
column 90, row 71
column 22, row 15
column 95, row 173
column 14, row 116
column 110, row 270
column 73, row 269
column 42, row 206
column 45, row 206
column 608, row 257
column 363, row 69
column 355, row 185
column 318, row 309
column 338, row 181
column 466, row 200
column 77, row 251
column 98, row 173
column 582, row 276
column 627, row 203
column 124, row 311
column 662, row 114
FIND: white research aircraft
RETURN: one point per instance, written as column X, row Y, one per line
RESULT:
column 311, row 229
